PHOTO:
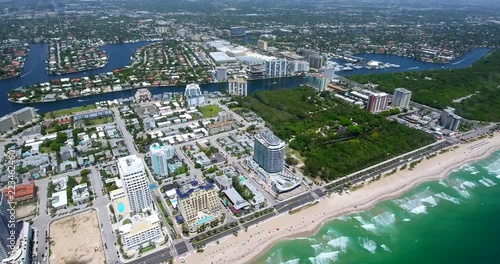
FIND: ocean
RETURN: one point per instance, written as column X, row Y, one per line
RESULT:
column 455, row 220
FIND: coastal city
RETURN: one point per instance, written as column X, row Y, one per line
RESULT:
column 222, row 132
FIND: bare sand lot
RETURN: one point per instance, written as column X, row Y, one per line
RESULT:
column 25, row 210
column 76, row 239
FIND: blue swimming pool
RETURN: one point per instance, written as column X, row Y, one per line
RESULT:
column 121, row 208
column 204, row 220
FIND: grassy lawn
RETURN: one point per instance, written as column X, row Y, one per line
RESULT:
column 210, row 110
column 45, row 149
column 100, row 121
column 146, row 249
column 69, row 111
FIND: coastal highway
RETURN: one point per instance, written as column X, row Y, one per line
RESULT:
column 297, row 201
column 158, row 257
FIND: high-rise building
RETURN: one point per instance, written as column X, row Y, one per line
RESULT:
column 269, row 151
column 20, row 250
column 221, row 73
column 193, row 95
column 197, row 199
column 261, row 44
column 143, row 95
column 257, row 72
column 7, row 123
column 377, row 102
column 317, row 81
column 276, row 68
column 135, row 181
column 316, row 61
column 17, row 118
column 224, row 116
column 24, row 115
column 328, row 72
column 160, row 154
column 298, row 66
column 238, row 87
column 5, row 228
column 449, row 119
column 238, row 31
column 401, row 98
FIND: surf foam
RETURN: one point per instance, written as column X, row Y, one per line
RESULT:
column 368, row 244
column 325, row 257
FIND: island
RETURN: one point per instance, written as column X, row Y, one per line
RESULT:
column 75, row 56
column 12, row 57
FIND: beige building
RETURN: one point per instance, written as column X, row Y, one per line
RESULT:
column 141, row 230
column 199, row 205
column 261, row 44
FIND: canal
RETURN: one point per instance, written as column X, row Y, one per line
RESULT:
column 119, row 56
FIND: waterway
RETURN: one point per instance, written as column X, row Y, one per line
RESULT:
column 119, row 56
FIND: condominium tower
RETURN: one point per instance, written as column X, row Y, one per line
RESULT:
column 135, row 182
column 160, row 154
column 269, row 151
column 276, row 68
column 377, row 102
column 238, row 87
column 401, row 98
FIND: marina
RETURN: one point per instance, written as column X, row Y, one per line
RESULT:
column 119, row 56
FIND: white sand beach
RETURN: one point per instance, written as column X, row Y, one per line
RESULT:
column 248, row 246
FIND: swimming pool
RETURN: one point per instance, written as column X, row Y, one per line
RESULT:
column 121, row 208
column 204, row 220
column 242, row 179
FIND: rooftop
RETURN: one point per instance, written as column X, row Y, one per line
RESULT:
column 59, row 199
column 130, row 163
column 189, row 189
column 403, row 90
column 236, row 199
column 20, row 191
column 269, row 137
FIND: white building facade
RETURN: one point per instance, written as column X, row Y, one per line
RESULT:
column 238, row 87
column 401, row 98
column 136, row 184
column 193, row 95
column 276, row 68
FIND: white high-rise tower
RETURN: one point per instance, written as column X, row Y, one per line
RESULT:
column 135, row 181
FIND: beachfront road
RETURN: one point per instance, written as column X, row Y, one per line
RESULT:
column 158, row 257
column 297, row 201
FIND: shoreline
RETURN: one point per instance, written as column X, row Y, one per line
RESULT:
column 367, row 206
column 136, row 88
column 311, row 219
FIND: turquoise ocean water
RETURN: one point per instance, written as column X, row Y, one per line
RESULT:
column 456, row 220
